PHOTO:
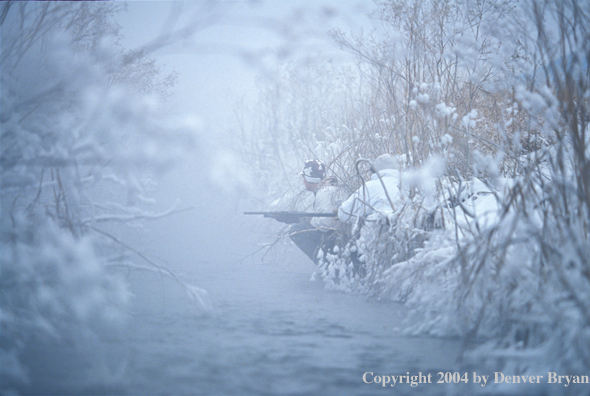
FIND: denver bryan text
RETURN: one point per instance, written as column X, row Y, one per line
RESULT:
column 552, row 378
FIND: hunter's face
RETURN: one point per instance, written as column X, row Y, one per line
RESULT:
column 310, row 186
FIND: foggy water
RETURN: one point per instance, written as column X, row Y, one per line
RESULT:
column 274, row 332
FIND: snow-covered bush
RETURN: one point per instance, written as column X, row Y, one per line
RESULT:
column 496, row 243
column 525, row 272
column 511, row 260
column 81, row 130
column 421, row 87
column 430, row 74
column 55, row 288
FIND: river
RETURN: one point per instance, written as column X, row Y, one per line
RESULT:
column 275, row 332
column 272, row 331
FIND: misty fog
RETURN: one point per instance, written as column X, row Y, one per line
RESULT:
column 452, row 137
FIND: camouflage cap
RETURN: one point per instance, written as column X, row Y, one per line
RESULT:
column 313, row 171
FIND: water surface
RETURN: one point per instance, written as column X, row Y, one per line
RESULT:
column 275, row 332
column 272, row 332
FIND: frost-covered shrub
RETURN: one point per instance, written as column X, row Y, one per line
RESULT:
column 536, row 253
column 81, row 130
column 431, row 74
column 512, row 263
column 499, row 247
column 391, row 216
column 54, row 287
column 425, row 85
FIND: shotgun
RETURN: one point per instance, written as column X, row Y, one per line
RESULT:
column 290, row 217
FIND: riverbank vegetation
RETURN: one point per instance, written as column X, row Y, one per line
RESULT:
column 485, row 104
column 81, row 135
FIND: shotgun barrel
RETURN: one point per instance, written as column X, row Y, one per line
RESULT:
column 290, row 217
